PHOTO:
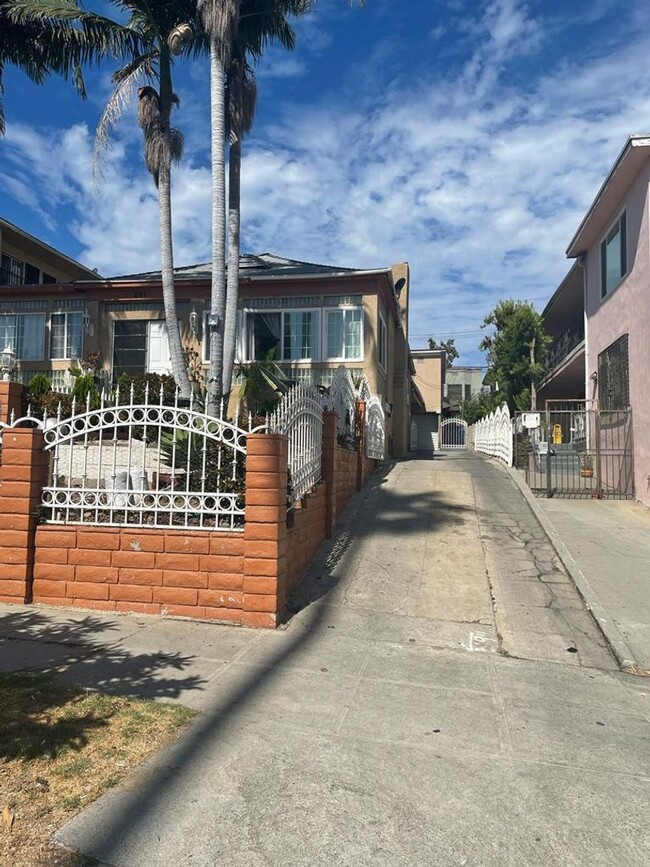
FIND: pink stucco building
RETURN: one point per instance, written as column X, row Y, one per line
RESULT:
column 612, row 252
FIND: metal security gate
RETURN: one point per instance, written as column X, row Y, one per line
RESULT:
column 577, row 451
column 453, row 433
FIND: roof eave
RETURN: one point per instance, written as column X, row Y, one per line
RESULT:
column 576, row 246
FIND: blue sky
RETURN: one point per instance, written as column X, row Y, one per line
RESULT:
column 463, row 136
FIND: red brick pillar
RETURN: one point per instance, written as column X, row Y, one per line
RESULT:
column 265, row 531
column 330, row 443
column 11, row 399
column 22, row 476
column 361, row 441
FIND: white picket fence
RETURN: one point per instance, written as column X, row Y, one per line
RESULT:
column 493, row 435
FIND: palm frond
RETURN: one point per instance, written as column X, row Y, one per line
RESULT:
column 161, row 149
column 122, row 96
column 219, row 20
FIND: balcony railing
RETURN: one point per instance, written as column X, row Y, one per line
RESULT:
column 566, row 343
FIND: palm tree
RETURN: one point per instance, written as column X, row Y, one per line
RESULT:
column 220, row 18
column 241, row 101
column 157, row 32
column 235, row 28
column 41, row 47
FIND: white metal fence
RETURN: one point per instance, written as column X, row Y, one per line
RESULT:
column 493, row 435
column 299, row 415
column 453, row 433
column 145, row 463
column 375, row 433
column 342, row 399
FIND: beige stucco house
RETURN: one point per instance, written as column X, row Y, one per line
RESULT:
column 313, row 318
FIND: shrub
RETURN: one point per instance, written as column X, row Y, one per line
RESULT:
column 39, row 384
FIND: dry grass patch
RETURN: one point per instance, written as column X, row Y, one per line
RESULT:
column 60, row 749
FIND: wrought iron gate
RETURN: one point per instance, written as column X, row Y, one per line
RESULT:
column 577, row 451
column 453, row 433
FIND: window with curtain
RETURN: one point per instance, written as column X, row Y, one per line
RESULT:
column 25, row 334
column 263, row 334
column 66, row 335
column 300, row 335
column 345, row 334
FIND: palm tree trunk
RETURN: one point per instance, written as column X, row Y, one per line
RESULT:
column 232, row 294
column 179, row 365
column 218, row 293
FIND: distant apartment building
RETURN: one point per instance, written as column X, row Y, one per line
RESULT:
column 461, row 383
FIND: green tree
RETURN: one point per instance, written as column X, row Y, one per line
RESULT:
column 516, row 352
column 448, row 346
column 478, row 405
column 51, row 45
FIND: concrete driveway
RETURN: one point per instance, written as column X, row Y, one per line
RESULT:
column 440, row 697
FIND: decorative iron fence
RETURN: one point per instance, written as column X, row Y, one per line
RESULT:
column 577, row 451
column 493, row 435
column 375, row 432
column 146, row 464
column 299, row 415
column 453, row 433
column 342, row 399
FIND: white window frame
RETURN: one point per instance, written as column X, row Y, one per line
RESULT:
column 66, row 314
column 382, row 331
column 284, row 311
column 620, row 225
column 17, row 316
column 325, row 342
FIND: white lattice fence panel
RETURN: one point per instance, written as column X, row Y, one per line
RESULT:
column 493, row 435
column 299, row 415
column 375, row 432
column 145, row 464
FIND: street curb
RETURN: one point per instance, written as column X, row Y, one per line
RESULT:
column 618, row 645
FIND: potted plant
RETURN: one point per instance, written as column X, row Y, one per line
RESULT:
column 586, row 467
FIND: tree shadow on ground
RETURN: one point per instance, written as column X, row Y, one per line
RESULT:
column 84, row 651
column 130, row 810
column 386, row 512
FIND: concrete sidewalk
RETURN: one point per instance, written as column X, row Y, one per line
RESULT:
column 382, row 727
column 609, row 540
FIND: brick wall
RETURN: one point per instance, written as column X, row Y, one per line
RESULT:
column 241, row 578
column 177, row 572
column 345, row 477
column 306, row 531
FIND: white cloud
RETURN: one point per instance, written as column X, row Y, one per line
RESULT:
column 478, row 181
